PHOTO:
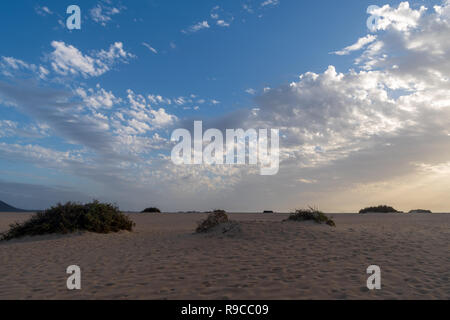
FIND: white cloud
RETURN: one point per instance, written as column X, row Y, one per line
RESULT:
column 248, row 8
column 401, row 18
column 361, row 43
column 333, row 112
column 115, row 52
column 102, row 13
column 180, row 101
column 307, row 181
column 142, row 111
column 222, row 23
column 14, row 68
column 197, row 27
column 156, row 99
column 38, row 153
column 269, row 3
column 161, row 118
column 251, row 91
column 43, row 72
column 149, row 47
column 16, row 64
column 43, row 11
column 7, row 128
column 189, row 102
column 97, row 99
column 68, row 60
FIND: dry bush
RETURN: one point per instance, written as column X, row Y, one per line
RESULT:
column 71, row 217
column 214, row 219
column 311, row 214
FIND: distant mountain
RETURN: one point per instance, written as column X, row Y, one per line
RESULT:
column 4, row 207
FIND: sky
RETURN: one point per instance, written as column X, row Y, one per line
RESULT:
column 363, row 114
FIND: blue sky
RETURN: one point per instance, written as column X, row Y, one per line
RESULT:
column 110, row 94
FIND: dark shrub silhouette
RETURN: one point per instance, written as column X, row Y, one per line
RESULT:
column 214, row 219
column 151, row 210
column 311, row 214
column 420, row 211
column 380, row 209
column 70, row 217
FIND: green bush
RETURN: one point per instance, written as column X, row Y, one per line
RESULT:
column 151, row 210
column 379, row 209
column 71, row 217
column 311, row 214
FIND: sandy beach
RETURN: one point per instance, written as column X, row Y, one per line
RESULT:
column 265, row 259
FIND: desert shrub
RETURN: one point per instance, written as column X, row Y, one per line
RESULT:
column 71, row 217
column 311, row 214
column 379, row 209
column 213, row 220
column 420, row 211
column 151, row 210
column 215, row 211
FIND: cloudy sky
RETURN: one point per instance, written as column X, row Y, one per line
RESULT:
column 363, row 114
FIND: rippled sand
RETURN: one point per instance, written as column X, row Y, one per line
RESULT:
column 266, row 259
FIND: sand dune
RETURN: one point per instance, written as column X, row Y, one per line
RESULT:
column 264, row 259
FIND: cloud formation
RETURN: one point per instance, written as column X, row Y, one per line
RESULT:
column 360, row 44
column 103, row 12
column 68, row 60
column 346, row 134
column 197, row 27
column 149, row 47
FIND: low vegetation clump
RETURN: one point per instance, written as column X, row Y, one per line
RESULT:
column 214, row 219
column 217, row 211
column 379, row 209
column 151, row 210
column 420, row 211
column 311, row 214
column 71, row 217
